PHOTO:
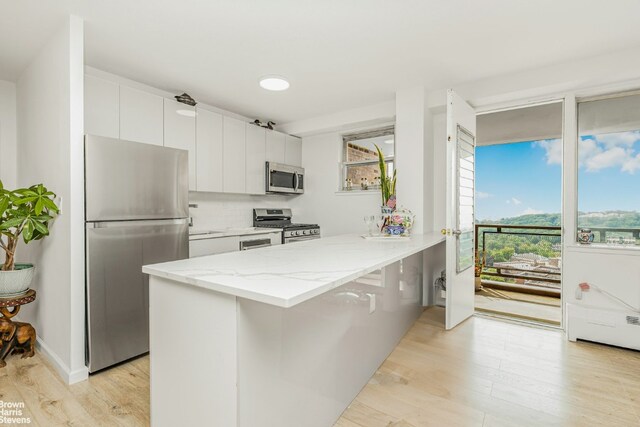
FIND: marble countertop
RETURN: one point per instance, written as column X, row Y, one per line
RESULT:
column 197, row 234
column 286, row 275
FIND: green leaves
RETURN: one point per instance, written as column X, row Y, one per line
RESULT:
column 387, row 185
column 25, row 212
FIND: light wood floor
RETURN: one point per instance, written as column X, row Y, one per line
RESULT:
column 483, row 373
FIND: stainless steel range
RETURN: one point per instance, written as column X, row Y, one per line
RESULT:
column 281, row 218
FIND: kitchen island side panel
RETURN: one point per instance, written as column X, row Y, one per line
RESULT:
column 193, row 355
column 304, row 365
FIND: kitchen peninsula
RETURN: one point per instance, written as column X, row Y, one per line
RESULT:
column 280, row 336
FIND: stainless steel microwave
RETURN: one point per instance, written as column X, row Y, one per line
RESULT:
column 284, row 178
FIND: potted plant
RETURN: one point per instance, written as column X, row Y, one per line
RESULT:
column 387, row 191
column 387, row 184
column 24, row 212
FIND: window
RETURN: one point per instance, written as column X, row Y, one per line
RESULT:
column 360, row 169
column 609, row 168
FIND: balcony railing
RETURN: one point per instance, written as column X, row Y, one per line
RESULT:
column 616, row 236
column 522, row 257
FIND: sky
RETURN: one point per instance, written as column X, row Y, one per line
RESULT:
column 520, row 178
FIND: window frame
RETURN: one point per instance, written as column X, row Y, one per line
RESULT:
column 586, row 98
column 388, row 130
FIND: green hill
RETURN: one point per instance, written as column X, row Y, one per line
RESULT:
column 609, row 219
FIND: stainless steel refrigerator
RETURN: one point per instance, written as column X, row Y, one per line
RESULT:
column 137, row 208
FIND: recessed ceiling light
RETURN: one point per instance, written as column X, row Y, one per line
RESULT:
column 188, row 113
column 388, row 141
column 275, row 83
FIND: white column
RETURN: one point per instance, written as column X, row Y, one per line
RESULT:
column 414, row 156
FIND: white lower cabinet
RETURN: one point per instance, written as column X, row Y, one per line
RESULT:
column 255, row 159
column 234, row 152
column 217, row 245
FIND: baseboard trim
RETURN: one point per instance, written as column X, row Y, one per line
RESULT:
column 68, row 376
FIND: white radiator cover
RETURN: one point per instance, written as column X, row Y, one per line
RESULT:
column 608, row 326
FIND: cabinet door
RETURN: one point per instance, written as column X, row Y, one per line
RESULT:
column 293, row 151
column 256, row 158
column 141, row 116
column 276, row 142
column 209, row 159
column 219, row 245
column 234, row 178
column 101, row 107
column 180, row 132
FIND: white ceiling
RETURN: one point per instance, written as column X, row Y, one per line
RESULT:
column 337, row 54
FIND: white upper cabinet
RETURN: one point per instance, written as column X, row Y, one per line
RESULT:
column 234, row 151
column 256, row 158
column 293, row 151
column 209, row 158
column 141, row 116
column 276, row 142
column 101, row 107
column 180, row 132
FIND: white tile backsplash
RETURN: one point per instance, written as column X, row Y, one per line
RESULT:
column 219, row 210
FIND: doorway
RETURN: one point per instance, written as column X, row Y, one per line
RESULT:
column 518, row 214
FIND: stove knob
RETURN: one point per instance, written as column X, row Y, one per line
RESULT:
column 305, row 232
column 295, row 233
column 316, row 231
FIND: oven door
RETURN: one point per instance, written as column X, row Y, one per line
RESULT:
column 284, row 178
column 300, row 238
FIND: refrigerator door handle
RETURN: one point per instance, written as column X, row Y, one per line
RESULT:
column 139, row 223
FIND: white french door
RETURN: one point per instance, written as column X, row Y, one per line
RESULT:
column 460, row 209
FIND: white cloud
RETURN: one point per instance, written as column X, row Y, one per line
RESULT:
column 631, row 165
column 611, row 157
column 553, row 150
column 514, row 201
column 482, row 195
column 612, row 150
column 531, row 211
column 619, row 139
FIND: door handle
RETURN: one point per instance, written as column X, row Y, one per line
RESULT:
column 449, row 232
column 297, row 181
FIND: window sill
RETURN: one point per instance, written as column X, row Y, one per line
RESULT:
column 603, row 248
column 358, row 192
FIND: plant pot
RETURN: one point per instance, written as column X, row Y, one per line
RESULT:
column 394, row 230
column 478, row 283
column 16, row 282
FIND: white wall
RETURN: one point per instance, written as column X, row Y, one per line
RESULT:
column 49, row 105
column 337, row 213
column 8, row 133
